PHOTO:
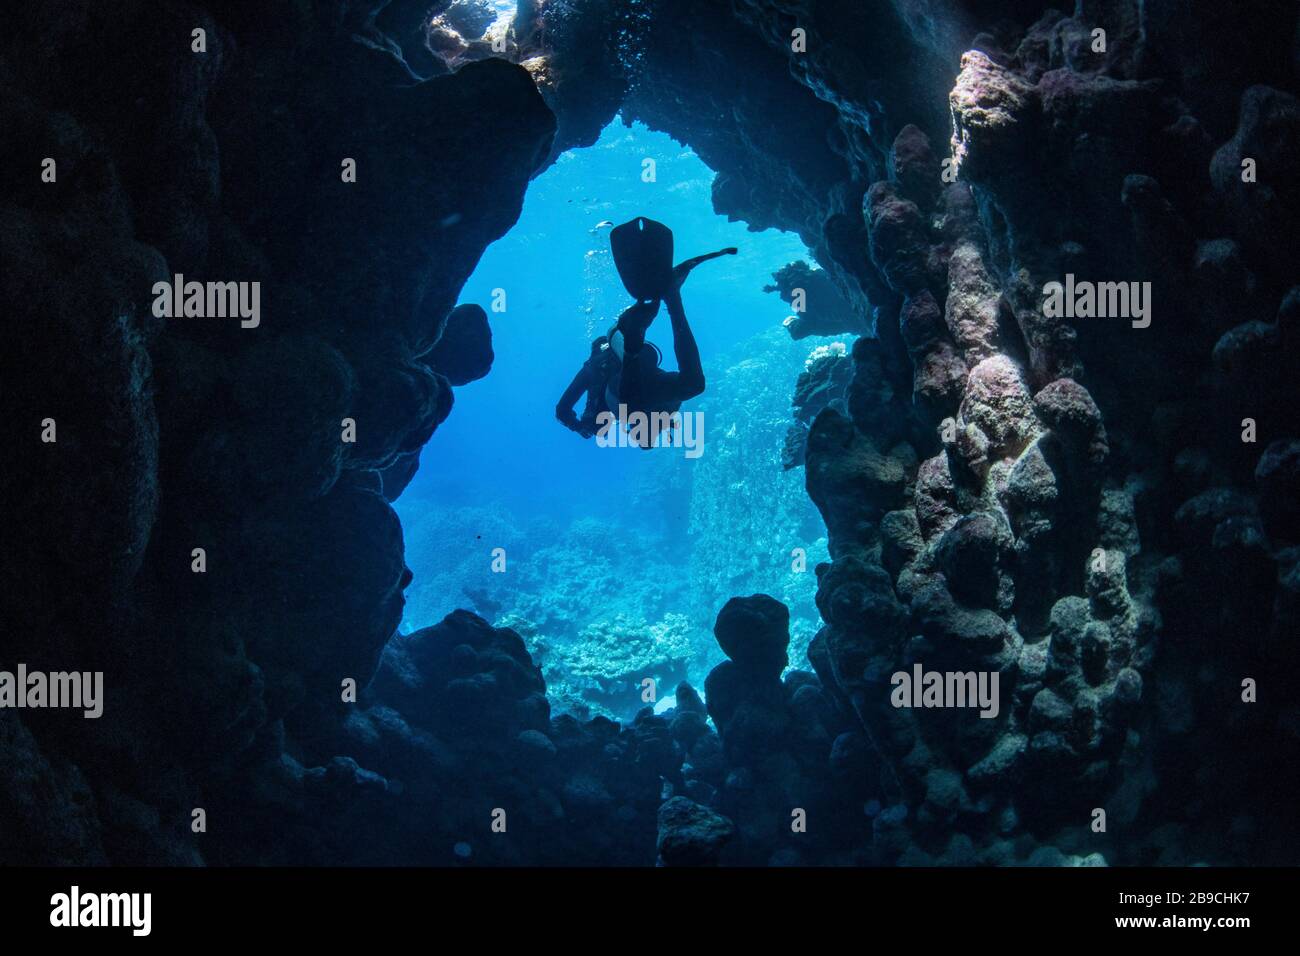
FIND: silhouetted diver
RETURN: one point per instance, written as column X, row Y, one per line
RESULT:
column 621, row 370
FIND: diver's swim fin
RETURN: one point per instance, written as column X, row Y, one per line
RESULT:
column 643, row 254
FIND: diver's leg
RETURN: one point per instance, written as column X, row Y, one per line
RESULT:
column 630, row 383
column 647, row 388
column 683, row 269
column 634, row 377
column 632, row 324
column 690, row 371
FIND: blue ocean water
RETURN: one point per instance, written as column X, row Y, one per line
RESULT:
column 615, row 557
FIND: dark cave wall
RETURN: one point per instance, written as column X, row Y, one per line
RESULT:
column 796, row 139
column 969, row 457
column 972, row 551
column 196, row 433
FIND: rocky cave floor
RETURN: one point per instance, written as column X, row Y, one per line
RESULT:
column 1103, row 513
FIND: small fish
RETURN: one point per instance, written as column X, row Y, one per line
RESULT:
column 603, row 224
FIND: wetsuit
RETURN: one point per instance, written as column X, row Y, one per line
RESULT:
column 645, row 387
column 592, row 380
column 627, row 372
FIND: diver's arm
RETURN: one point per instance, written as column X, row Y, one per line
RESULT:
column 577, row 388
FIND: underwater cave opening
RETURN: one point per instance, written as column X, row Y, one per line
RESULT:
column 614, row 561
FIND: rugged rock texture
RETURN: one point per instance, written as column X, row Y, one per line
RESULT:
column 819, row 309
column 690, row 834
column 1041, row 540
column 262, row 445
column 463, row 353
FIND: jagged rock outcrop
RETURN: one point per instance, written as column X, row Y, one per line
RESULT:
column 690, row 834
column 463, row 352
column 820, row 309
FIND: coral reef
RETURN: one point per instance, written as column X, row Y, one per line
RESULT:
column 601, row 599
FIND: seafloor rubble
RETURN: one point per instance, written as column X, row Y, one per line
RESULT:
column 1102, row 512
